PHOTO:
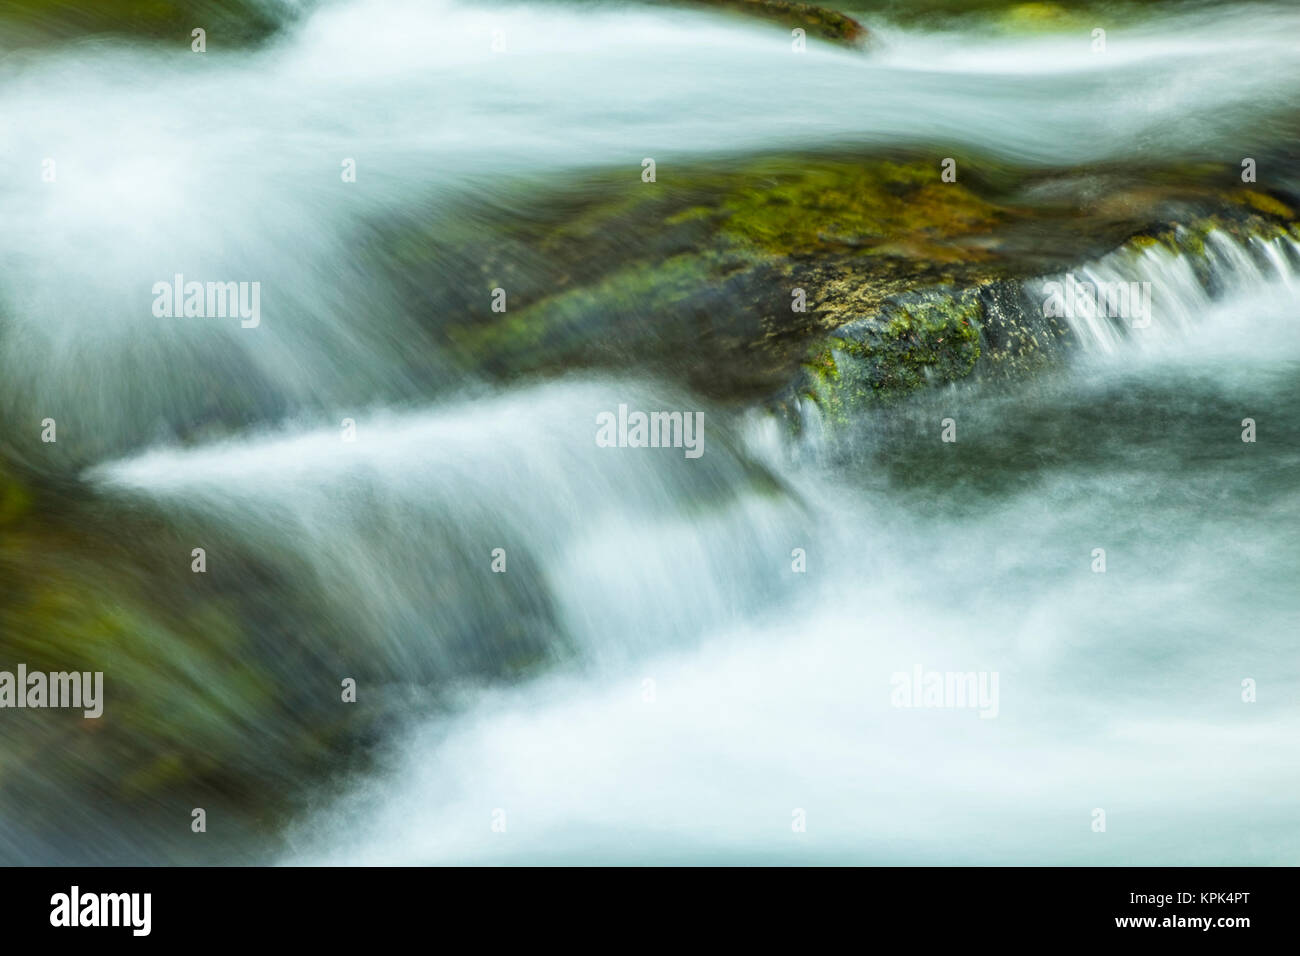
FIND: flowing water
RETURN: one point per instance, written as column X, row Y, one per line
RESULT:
column 227, row 165
column 694, row 691
column 1119, row 690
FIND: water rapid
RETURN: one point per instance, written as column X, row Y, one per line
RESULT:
column 650, row 679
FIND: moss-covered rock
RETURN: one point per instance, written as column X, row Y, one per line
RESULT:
column 15, row 499
column 734, row 275
column 1014, row 16
column 206, row 695
column 928, row 338
column 222, row 689
column 697, row 271
column 816, row 20
column 941, row 335
column 873, row 208
column 227, row 22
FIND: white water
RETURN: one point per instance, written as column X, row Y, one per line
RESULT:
column 1177, row 301
column 771, row 690
column 226, row 166
column 400, row 525
column 1118, row 691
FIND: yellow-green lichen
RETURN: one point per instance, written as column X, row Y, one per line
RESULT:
column 231, row 20
column 816, row 20
column 877, row 207
column 1263, row 202
column 928, row 341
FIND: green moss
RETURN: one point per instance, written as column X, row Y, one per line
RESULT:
column 877, row 207
column 816, row 20
column 930, row 340
column 225, row 21
column 1017, row 17
column 15, row 499
column 1145, row 242
column 1192, row 240
column 546, row 331
column 693, row 214
column 1263, row 202
column 692, row 275
column 166, row 771
column 1042, row 17
column 195, row 699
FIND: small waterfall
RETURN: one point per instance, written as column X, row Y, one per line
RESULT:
column 397, row 530
column 1149, row 295
column 214, row 168
column 638, row 654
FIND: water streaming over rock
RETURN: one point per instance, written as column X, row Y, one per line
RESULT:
column 649, row 679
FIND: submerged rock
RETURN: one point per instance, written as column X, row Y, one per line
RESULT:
column 213, row 690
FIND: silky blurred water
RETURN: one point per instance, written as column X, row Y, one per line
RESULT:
column 1119, row 690
column 226, row 166
column 684, row 691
